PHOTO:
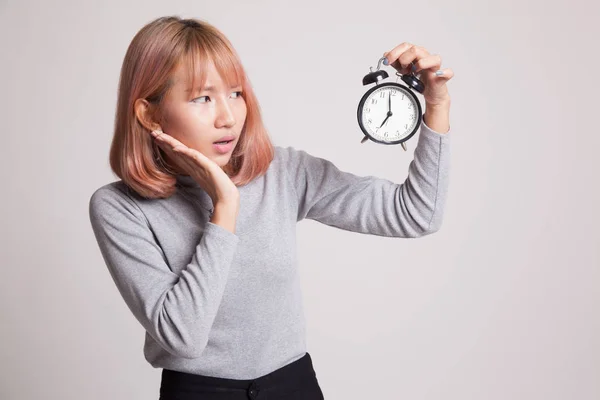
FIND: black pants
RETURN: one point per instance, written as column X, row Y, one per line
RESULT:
column 295, row 381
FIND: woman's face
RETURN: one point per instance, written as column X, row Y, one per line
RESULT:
column 211, row 114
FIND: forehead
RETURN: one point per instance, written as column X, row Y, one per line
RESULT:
column 207, row 70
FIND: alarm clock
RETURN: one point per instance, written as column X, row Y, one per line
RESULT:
column 390, row 113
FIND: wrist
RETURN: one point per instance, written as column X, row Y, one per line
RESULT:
column 225, row 215
column 226, row 206
column 437, row 117
column 443, row 105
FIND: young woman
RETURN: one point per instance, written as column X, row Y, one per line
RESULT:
column 199, row 232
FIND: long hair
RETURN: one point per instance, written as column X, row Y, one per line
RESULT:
column 151, row 58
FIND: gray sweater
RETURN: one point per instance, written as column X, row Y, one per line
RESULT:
column 229, row 305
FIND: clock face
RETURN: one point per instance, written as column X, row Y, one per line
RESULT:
column 383, row 126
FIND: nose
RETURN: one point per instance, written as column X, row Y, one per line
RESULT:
column 225, row 116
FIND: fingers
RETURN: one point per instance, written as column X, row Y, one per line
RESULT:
column 444, row 74
column 411, row 55
column 429, row 62
column 188, row 156
column 162, row 137
column 392, row 55
column 401, row 56
column 168, row 144
column 193, row 156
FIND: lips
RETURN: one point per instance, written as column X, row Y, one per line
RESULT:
column 223, row 148
column 225, row 139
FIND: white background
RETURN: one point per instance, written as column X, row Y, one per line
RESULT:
column 501, row 303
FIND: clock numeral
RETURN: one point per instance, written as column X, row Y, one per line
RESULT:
column 367, row 109
column 370, row 121
column 382, row 94
column 373, row 101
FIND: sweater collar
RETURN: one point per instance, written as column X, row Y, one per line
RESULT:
column 190, row 188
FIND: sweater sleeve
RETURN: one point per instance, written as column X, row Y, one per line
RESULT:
column 371, row 205
column 177, row 310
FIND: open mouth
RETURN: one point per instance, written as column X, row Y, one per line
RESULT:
column 223, row 147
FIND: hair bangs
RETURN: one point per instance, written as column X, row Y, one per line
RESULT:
column 202, row 51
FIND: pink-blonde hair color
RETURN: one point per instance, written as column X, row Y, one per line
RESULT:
column 147, row 72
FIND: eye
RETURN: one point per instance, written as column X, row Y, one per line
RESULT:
column 239, row 91
column 199, row 98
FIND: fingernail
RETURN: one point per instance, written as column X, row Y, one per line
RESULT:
column 439, row 72
column 385, row 61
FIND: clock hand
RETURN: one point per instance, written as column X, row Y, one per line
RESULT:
column 389, row 114
column 384, row 121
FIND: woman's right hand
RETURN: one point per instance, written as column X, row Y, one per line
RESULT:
column 202, row 169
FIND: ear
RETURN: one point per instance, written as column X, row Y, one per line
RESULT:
column 144, row 112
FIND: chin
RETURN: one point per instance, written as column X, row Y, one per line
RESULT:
column 222, row 160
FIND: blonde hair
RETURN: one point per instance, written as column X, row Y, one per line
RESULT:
column 151, row 58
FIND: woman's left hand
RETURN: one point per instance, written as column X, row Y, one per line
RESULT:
column 406, row 57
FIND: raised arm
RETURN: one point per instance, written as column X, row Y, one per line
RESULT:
column 371, row 205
